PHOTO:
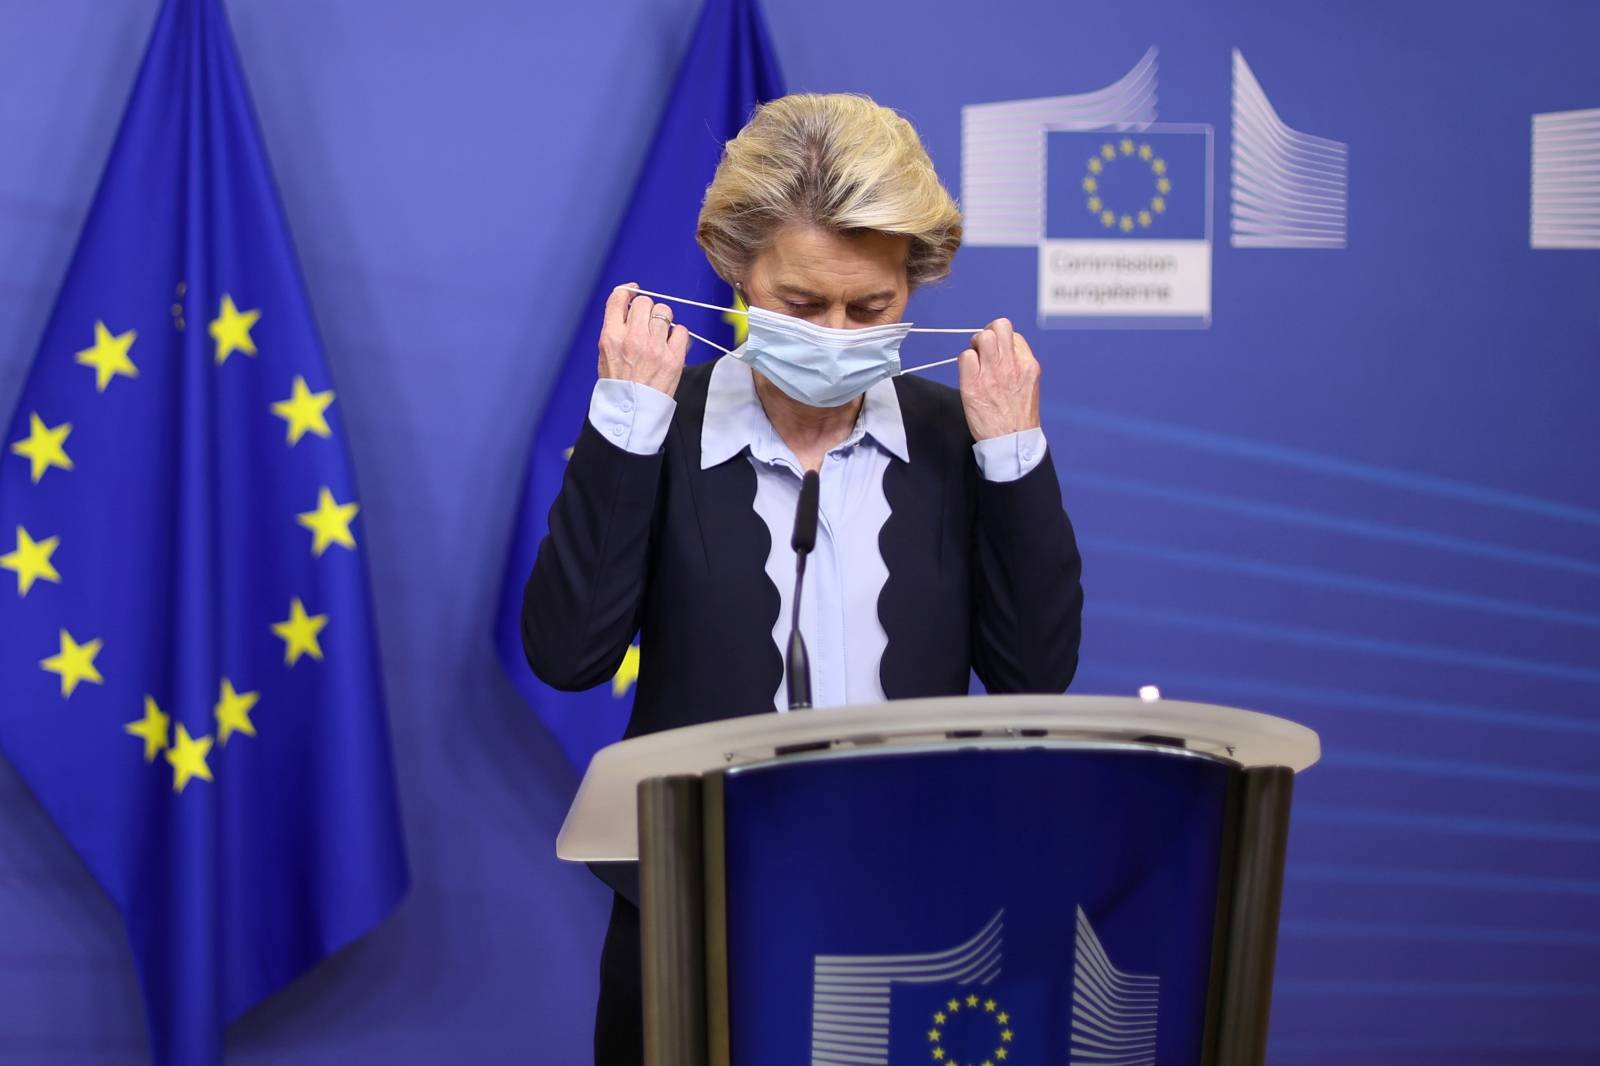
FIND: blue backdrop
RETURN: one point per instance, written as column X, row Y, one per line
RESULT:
column 1365, row 497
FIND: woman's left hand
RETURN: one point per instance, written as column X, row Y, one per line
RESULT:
column 999, row 382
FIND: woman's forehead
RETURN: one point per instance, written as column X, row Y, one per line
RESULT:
column 813, row 260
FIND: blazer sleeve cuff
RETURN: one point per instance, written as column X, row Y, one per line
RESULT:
column 632, row 416
column 1010, row 457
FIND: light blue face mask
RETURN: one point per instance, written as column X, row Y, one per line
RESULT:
column 817, row 365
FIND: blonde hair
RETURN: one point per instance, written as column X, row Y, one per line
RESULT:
column 839, row 161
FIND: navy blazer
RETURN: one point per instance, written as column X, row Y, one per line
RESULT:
column 983, row 576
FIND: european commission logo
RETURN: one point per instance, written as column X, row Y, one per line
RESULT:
column 1119, row 207
column 957, row 1007
column 1127, row 227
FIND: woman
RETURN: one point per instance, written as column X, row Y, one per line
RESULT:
column 942, row 546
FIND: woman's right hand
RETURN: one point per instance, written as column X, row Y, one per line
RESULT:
column 639, row 341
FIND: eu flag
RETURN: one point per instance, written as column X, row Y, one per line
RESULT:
column 191, row 680
column 728, row 69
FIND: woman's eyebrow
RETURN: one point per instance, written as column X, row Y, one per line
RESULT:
column 797, row 292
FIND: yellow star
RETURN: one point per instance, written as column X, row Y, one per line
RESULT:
column 627, row 673
column 1159, row 166
column 988, row 1005
column 954, row 1006
column 1144, row 218
column 1003, row 1018
column 1108, row 151
column 1094, row 203
column 299, row 633
column 939, row 1018
column 1107, row 218
column 1127, row 146
column 44, row 446
column 1158, row 205
column 233, row 712
column 330, row 523
column 304, row 411
column 1001, row 1053
column 1163, row 185
column 933, row 1035
column 1005, row 1034
column 109, row 356
column 1090, row 184
column 31, row 560
column 986, row 1062
column 740, row 322
column 187, row 756
column 75, row 663
column 972, row 1001
column 231, row 330
column 1126, row 224
column 1095, row 166
column 152, row 728
column 1145, row 152
column 938, row 1053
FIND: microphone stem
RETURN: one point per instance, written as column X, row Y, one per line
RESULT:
column 799, row 662
column 799, row 584
column 804, row 539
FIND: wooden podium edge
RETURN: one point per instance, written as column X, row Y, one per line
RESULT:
column 1222, row 917
column 718, row 1010
column 673, row 912
column 1260, row 825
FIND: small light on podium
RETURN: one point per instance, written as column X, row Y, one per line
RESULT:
column 1149, row 693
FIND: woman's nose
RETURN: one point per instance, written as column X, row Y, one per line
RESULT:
column 834, row 317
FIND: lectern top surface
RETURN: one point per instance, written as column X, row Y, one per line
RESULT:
column 601, row 826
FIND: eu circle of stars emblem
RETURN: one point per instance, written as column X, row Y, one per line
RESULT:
column 1127, row 154
column 980, row 1015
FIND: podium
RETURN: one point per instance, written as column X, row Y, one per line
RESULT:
column 964, row 881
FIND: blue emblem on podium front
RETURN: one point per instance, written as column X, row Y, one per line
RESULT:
column 974, row 908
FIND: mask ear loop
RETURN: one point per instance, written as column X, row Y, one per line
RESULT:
column 703, row 340
column 692, row 303
column 742, row 311
column 941, row 362
column 930, row 366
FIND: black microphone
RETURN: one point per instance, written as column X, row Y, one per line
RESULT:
column 804, row 539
